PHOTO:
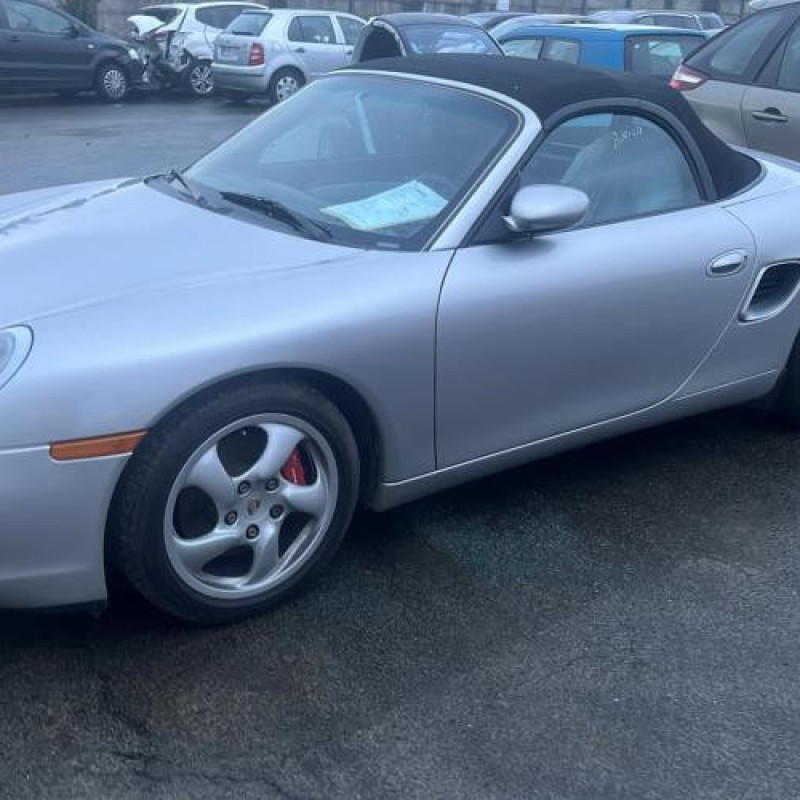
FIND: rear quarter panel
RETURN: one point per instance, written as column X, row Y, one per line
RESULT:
column 719, row 105
column 753, row 348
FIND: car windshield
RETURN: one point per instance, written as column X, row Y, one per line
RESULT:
column 449, row 39
column 364, row 161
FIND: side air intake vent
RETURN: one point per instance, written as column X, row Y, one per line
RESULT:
column 775, row 287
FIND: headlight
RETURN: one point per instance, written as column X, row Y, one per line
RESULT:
column 15, row 344
column 133, row 54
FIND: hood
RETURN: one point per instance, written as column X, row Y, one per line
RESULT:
column 61, row 249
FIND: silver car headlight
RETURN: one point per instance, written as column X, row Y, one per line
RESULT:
column 15, row 344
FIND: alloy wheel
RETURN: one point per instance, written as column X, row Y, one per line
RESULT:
column 250, row 506
column 201, row 80
column 115, row 84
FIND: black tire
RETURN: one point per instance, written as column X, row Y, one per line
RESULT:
column 111, row 82
column 136, row 537
column 787, row 399
column 274, row 92
column 200, row 79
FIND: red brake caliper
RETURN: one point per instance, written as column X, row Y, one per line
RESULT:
column 294, row 471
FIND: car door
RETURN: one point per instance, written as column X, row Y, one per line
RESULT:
column 771, row 114
column 551, row 334
column 42, row 48
column 727, row 65
column 349, row 30
column 313, row 39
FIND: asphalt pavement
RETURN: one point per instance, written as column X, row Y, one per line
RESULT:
column 619, row 622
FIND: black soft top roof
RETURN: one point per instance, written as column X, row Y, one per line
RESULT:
column 548, row 87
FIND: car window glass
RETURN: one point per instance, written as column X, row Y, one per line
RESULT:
column 789, row 76
column 523, row 48
column 379, row 161
column 675, row 21
column 627, row 166
column 249, row 24
column 35, row 19
column 226, row 15
column 351, row 28
column 209, row 16
column 659, row 55
column 313, row 30
column 733, row 54
column 441, row 39
column 646, row 21
column 295, row 31
column 710, row 22
column 561, row 50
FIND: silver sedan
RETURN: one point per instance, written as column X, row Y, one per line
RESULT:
column 401, row 279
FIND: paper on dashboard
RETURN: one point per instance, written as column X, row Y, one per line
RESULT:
column 410, row 202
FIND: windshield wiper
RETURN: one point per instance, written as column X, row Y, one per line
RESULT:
column 279, row 212
column 176, row 176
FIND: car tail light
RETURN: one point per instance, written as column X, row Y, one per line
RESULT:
column 160, row 36
column 685, row 79
column 256, row 55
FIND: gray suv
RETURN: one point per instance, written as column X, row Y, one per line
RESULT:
column 745, row 82
column 275, row 52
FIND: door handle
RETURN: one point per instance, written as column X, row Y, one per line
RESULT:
column 727, row 263
column 13, row 38
column 770, row 115
column 299, row 49
column 349, row 52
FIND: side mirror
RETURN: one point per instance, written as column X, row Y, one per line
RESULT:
column 546, row 208
column 71, row 32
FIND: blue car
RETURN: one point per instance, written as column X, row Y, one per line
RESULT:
column 642, row 49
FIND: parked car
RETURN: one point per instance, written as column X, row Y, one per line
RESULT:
column 43, row 48
column 489, row 19
column 407, row 276
column 635, row 48
column 526, row 20
column 187, row 38
column 745, row 82
column 274, row 53
column 418, row 34
column 700, row 20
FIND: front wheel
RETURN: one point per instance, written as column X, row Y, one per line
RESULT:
column 236, row 500
column 200, row 79
column 111, row 82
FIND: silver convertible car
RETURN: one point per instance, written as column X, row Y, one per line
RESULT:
column 403, row 278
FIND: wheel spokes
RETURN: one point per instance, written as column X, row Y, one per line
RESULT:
column 281, row 441
column 307, row 499
column 196, row 553
column 210, row 475
column 266, row 554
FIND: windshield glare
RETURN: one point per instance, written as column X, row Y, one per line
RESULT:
column 378, row 161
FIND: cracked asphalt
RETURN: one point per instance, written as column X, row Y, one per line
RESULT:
column 619, row 622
